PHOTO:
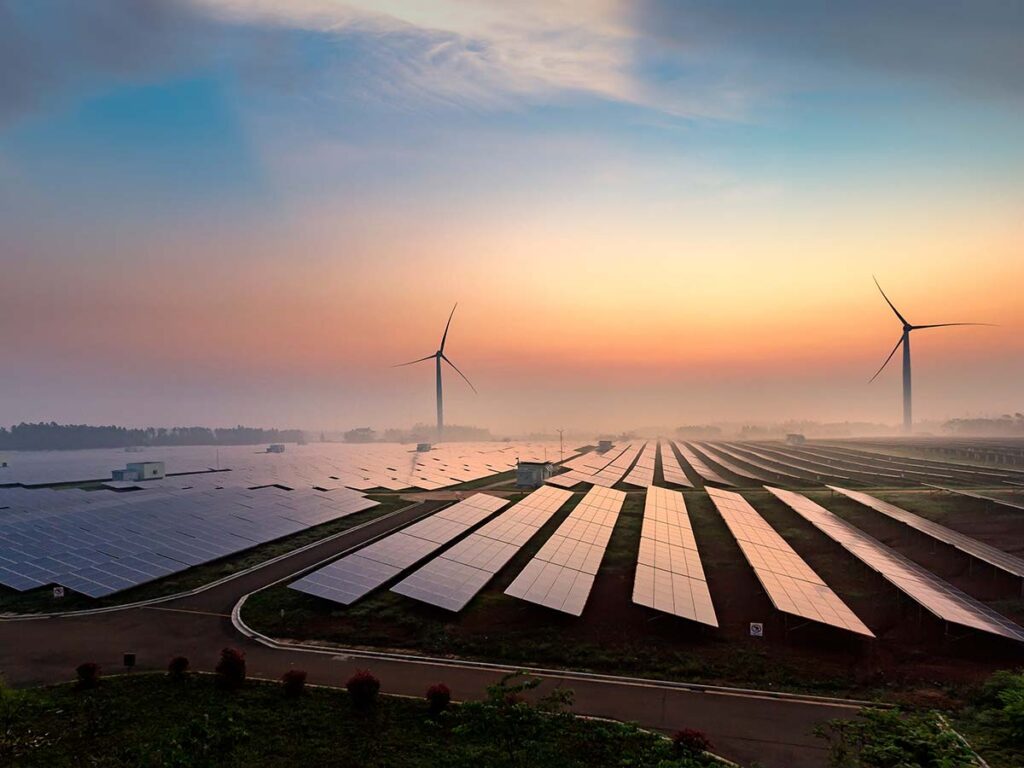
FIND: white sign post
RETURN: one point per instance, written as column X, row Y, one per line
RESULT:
column 58, row 592
column 756, row 629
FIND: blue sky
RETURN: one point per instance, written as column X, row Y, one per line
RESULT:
column 606, row 176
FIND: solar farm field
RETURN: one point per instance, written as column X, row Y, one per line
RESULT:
column 912, row 649
column 824, row 567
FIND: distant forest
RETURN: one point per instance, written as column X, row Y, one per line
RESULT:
column 53, row 436
column 1008, row 425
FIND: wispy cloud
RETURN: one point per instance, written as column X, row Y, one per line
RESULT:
column 971, row 48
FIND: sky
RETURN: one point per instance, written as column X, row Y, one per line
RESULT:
column 652, row 212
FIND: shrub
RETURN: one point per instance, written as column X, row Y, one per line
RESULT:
column 231, row 668
column 882, row 738
column 177, row 667
column 88, row 674
column 294, row 682
column 363, row 687
column 439, row 696
column 690, row 742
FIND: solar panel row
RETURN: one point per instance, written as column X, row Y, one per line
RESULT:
column 706, row 473
column 669, row 575
column 562, row 572
column 739, row 463
column 973, row 547
column 935, row 595
column 791, row 584
column 642, row 473
column 671, row 470
column 353, row 576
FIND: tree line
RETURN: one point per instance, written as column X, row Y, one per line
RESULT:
column 53, row 436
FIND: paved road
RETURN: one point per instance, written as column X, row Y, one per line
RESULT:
column 743, row 727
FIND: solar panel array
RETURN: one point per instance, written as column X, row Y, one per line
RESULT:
column 706, row 473
column 984, row 552
column 100, row 543
column 605, row 473
column 584, row 467
column 777, row 458
column 615, row 471
column 562, row 572
column 454, row 577
column 791, row 584
column 354, row 576
column 392, row 466
column 727, row 458
column 669, row 575
column 670, row 467
column 642, row 473
column 935, row 595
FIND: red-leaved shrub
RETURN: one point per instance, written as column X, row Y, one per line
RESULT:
column 438, row 697
column 690, row 742
column 88, row 674
column 294, row 682
column 177, row 667
column 231, row 668
column 363, row 687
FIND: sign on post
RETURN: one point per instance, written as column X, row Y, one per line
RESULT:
column 756, row 629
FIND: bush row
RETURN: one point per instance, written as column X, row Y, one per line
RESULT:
column 363, row 687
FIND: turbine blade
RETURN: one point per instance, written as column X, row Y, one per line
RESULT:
column 947, row 325
column 413, row 362
column 460, row 374
column 445, row 337
column 886, row 360
column 891, row 305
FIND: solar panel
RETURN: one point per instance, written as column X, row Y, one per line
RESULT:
column 706, row 473
column 669, row 575
column 455, row 576
column 100, row 543
column 671, row 468
column 984, row 552
column 642, row 473
column 935, row 595
column 791, row 584
column 354, row 576
column 562, row 572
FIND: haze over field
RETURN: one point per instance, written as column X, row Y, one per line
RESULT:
column 241, row 211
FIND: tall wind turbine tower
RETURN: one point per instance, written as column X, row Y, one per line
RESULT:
column 908, row 414
column 437, row 357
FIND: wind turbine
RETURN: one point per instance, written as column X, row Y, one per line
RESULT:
column 908, row 418
column 437, row 357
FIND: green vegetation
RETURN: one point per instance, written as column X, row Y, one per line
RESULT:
column 886, row 738
column 991, row 725
column 994, row 720
column 192, row 722
column 42, row 600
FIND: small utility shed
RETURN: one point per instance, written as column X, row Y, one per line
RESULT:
column 140, row 470
column 532, row 474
